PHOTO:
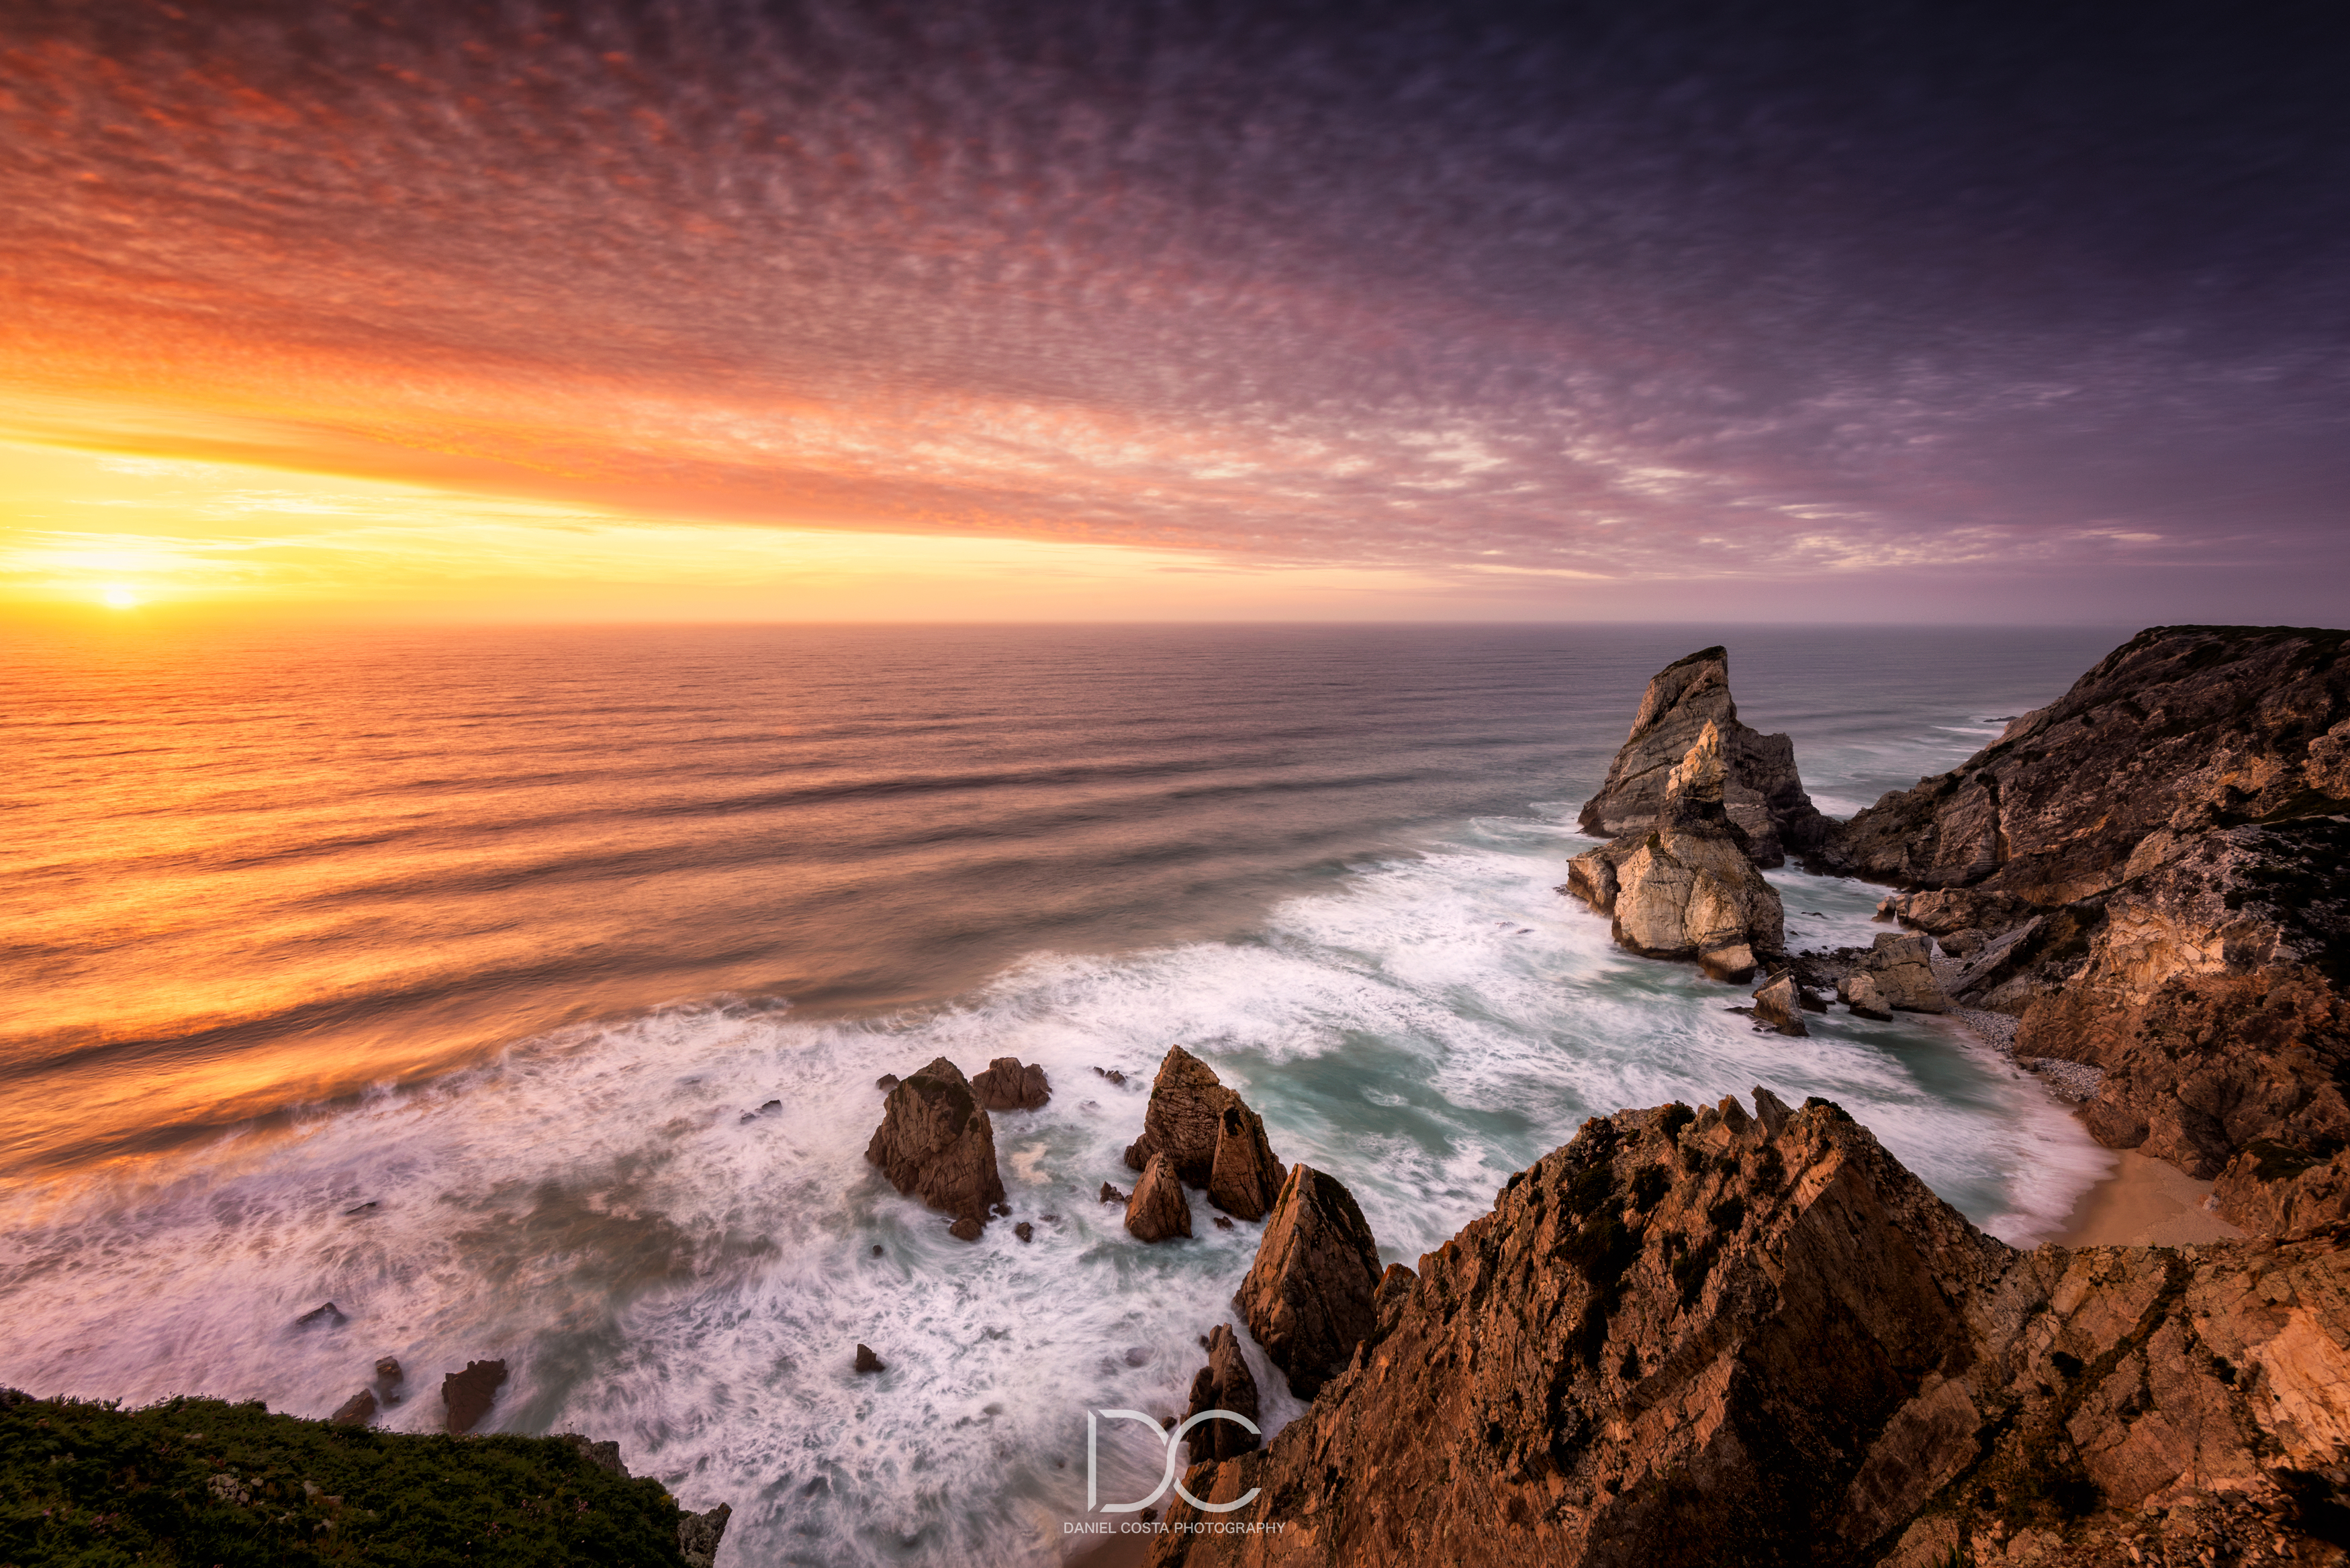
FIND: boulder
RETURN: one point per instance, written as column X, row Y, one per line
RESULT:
column 467, row 1395
column 1244, row 1178
column 1903, row 970
column 356, row 1411
column 1860, row 993
column 1113, row 1194
column 1690, row 1339
column 388, row 1374
column 1025, row 1230
column 1159, row 1209
column 1224, row 1384
column 698, row 1535
column 1006, row 1086
column 1686, row 888
column 1309, row 1297
column 1781, row 1006
column 867, row 1363
column 935, row 1143
column 1762, row 793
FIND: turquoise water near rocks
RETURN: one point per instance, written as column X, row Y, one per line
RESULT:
column 503, row 934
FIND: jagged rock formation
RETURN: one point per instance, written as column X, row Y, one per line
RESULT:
column 1762, row 793
column 1780, row 1005
column 466, row 1396
column 2149, row 872
column 1858, row 991
column 1006, row 1086
column 1224, row 1384
column 1686, row 888
column 935, row 1143
column 698, row 1535
column 1158, row 1209
column 1706, row 1338
column 1309, row 1295
column 1190, row 1120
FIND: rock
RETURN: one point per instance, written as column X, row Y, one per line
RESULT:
column 967, row 1228
column 1112, row 1194
column 698, row 1535
column 468, row 1394
column 886, row 1082
column 1694, row 1338
column 1025, row 1230
column 868, row 1362
column 1159, row 1210
column 605, row 1456
column 1222, row 1222
column 1762, row 793
column 1185, row 1117
column 356, row 1411
column 1006, row 1086
column 1309, row 1295
column 1686, row 888
column 1903, row 970
column 1781, row 1006
column 935, row 1143
column 1959, row 944
column 388, row 1374
column 328, row 1316
column 1860, row 993
column 1224, row 1384
column 1113, row 1075
column 1243, row 1178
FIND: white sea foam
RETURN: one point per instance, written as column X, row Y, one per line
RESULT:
column 597, row 1209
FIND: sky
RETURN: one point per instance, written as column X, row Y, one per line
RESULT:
column 1046, row 310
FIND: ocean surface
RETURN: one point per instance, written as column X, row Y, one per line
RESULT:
column 439, row 974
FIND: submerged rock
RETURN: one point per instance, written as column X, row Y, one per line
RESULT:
column 935, row 1143
column 1006, row 1086
column 328, row 1316
column 1309, row 1293
column 1159, row 1209
column 1762, row 793
column 1699, row 1338
column 1224, row 1384
column 467, row 1395
column 1686, row 888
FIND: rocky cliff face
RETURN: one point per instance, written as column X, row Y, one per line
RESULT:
column 2148, row 873
column 1715, row 1338
column 1687, row 888
column 1763, row 794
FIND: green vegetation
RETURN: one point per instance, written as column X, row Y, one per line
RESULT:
column 199, row 1482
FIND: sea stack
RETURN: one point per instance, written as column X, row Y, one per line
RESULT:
column 935, row 1143
column 1309, row 1296
column 1687, row 888
column 1209, row 1135
column 1761, row 790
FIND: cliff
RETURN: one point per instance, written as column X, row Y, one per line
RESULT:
column 2148, row 873
column 1761, row 792
column 1716, row 1338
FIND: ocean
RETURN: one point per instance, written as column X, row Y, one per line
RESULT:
column 443, row 973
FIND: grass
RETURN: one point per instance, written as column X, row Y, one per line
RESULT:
column 207, row 1484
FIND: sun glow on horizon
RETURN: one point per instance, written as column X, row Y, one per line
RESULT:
column 118, row 598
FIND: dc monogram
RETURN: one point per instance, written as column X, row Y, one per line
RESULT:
column 1174, row 1466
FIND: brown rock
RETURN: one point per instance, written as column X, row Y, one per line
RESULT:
column 1112, row 1194
column 1762, row 793
column 1185, row 1117
column 1006, row 1086
column 1309, row 1296
column 1781, row 1006
column 1159, row 1209
column 1224, row 1384
column 388, row 1374
column 1025, row 1230
column 1860, row 993
column 935, row 1143
column 1243, row 1178
column 356, row 1411
column 867, row 1362
column 468, row 1394
column 1903, row 970
column 1687, row 1339
column 1686, row 888
column 604, row 1456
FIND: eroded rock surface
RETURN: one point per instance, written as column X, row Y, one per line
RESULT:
column 1158, row 1211
column 1686, row 888
column 1224, row 1384
column 936, row 1144
column 1209, row 1135
column 1762, row 793
column 466, row 1396
column 1705, row 1338
column 1780, row 1005
column 1006, row 1086
column 1309, row 1295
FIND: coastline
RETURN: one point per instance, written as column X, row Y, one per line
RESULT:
column 2144, row 1201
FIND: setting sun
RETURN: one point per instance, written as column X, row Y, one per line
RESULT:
column 119, row 599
